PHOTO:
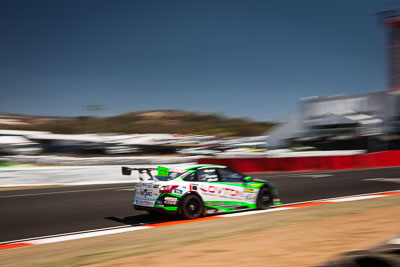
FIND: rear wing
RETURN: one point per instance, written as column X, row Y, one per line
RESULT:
column 142, row 171
column 161, row 171
column 128, row 171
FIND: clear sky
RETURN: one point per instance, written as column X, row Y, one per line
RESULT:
column 243, row 58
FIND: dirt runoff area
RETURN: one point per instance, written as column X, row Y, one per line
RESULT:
column 302, row 237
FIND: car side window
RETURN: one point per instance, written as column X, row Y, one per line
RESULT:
column 190, row 177
column 207, row 175
column 230, row 176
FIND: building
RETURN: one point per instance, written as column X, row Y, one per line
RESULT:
column 366, row 121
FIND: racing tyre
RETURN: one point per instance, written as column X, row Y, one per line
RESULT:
column 264, row 198
column 192, row 207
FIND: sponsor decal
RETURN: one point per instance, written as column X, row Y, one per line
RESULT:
column 170, row 200
column 144, row 185
column 250, row 197
column 222, row 191
column 143, row 202
column 145, row 193
column 178, row 191
column 162, row 171
column 155, row 186
column 249, row 190
column 159, row 203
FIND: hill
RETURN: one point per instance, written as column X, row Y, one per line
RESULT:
column 155, row 121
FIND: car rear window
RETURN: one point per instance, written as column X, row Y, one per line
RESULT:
column 171, row 176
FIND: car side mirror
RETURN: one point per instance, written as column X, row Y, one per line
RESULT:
column 247, row 179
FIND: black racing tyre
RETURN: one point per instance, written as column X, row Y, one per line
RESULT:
column 264, row 198
column 192, row 207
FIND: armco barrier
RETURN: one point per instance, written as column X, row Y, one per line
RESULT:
column 371, row 160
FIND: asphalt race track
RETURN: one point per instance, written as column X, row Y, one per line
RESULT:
column 41, row 212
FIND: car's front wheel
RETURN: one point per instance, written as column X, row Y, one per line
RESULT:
column 264, row 198
column 192, row 207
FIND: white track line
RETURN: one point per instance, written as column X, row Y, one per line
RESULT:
column 338, row 198
column 64, row 234
column 346, row 199
column 244, row 213
column 86, row 235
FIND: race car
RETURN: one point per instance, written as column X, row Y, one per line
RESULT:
column 200, row 190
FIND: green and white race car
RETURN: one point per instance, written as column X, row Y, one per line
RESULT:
column 200, row 190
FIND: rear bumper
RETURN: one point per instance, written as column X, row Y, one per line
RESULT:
column 136, row 207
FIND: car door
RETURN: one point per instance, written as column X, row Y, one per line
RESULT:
column 207, row 184
column 236, row 180
column 212, row 188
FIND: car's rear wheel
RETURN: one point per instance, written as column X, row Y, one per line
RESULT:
column 192, row 207
column 264, row 198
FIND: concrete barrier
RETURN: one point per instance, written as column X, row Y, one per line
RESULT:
column 371, row 160
column 69, row 175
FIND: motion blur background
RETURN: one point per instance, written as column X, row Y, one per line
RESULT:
column 258, row 86
column 108, row 71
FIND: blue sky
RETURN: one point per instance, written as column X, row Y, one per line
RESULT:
column 244, row 58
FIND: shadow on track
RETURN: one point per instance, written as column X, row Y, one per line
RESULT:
column 144, row 219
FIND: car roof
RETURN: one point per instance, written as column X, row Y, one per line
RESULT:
column 196, row 167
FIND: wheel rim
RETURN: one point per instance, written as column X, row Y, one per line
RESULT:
column 193, row 207
column 265, row 198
